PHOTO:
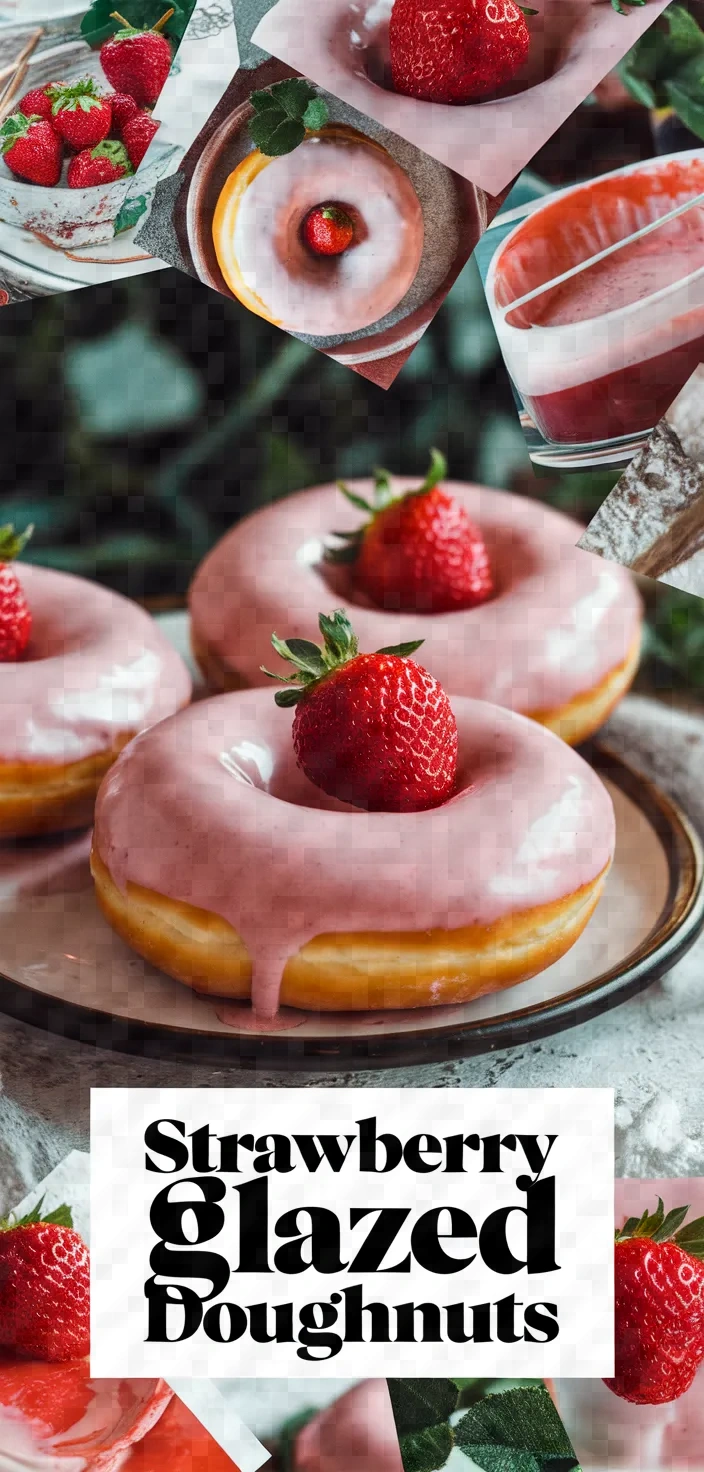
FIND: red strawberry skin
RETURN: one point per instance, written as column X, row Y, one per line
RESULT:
column 659, row 1321
column 453, row 51
column 328, row 230
column 378, row 733
column 44, row 1292
column 124, row 107
column 137, row 134
column 102, row 165
column 15, row 616
column 35, row 154
column 423, row 553
column 81, row 128
column 37, row 103
column 138, row 63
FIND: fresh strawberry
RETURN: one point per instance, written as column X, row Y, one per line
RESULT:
column 137, row 134
column 102, row 165
column 328, row 230
column 15, row 615
column 137, row 62
column 80, row 115
column 44, row 1287
column 38, row 102
column 419, row 551
column 455, row 50
column 31, row 148
column 375, row 730
column 659, row 1306
column 124, row 107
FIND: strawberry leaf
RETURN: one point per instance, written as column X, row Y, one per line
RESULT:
column 418, row 1404
column 282, row 116
column 691, row 1238
column 286, row 697
column 426, row 1450
column 316, row 115
column 523, row 1422
column 13, row 543
column 60, row 1217
column 673, row 1220
column 402, row 649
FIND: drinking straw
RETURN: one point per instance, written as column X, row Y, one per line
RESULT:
column 601, row 255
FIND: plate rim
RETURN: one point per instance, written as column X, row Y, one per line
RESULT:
column 674, row 931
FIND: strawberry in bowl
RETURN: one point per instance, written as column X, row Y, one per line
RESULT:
column 456, row 51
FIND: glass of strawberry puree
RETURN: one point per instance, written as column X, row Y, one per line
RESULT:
column 600, row 357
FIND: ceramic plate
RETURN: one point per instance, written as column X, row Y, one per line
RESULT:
column 63, row 969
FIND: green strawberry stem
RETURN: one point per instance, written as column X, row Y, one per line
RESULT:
column 383, row 496
column 12, row 543
column 134, row 30
column 662, row 1227
column 619, row 5
column 81, row 95
column 312, row 662
column 60, row 1217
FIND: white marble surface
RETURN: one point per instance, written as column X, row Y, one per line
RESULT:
column 650, row 1049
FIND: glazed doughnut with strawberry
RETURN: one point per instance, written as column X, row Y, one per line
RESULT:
column 362, row 842
column 510, row 610
column 82, row 670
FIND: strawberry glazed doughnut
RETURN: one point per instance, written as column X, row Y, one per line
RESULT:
column 218, row 860
column 96, row 671
column 557, row 640
column 268, row 256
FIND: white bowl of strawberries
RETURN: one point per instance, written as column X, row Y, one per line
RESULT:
column 70, row 150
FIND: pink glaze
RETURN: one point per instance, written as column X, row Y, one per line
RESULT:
column 561, row 621
column 355, row 1434
column 210, row 809
column 329, row 296
column 97, row 666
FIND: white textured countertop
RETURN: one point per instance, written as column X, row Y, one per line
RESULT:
column 650, row 1049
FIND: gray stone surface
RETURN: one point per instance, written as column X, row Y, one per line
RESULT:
column 650, row 1049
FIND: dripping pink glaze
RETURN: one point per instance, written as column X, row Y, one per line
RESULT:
column 562, row 619
column 97, row 665
column 210, row 809
column 355, row 1434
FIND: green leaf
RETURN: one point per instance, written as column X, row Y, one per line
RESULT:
column 280, row 113
column 130, row 382
column 132, row 211
column 691, row 1237
column 503, row 1459
column 12, row 543
column 688, row 106
column 426, row 1450
column 420, row 1403
column 275, row 135
column 402, row 649
column 287, row 697
column 673, row 1220
column 60, row 1217
column 523, row 1420
column 353, row 498
column 316, row 115
column 306, row 655
column 97, row 25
